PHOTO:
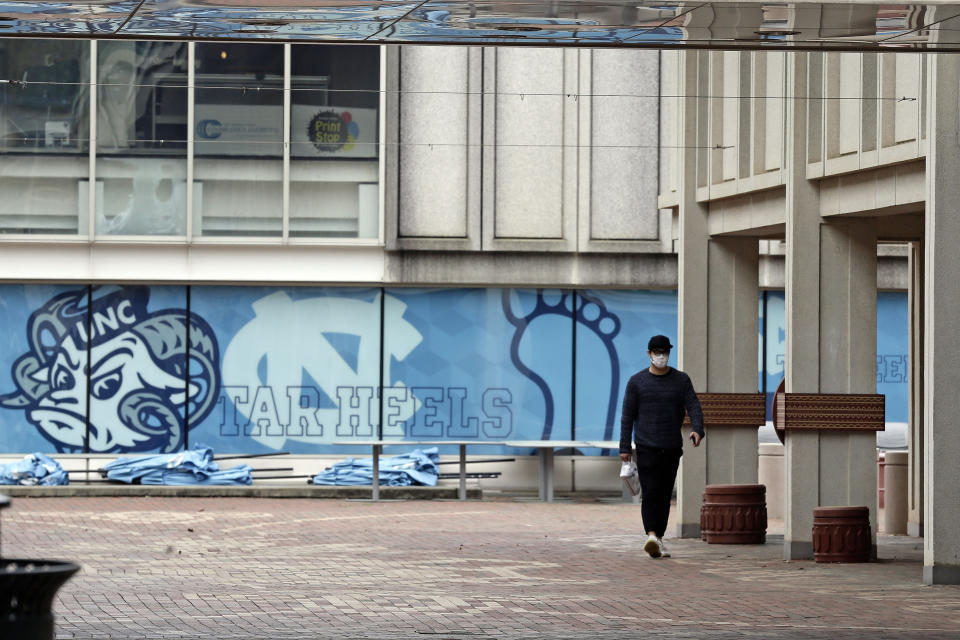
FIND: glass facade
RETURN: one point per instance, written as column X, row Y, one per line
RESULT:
column 334, row 135
column 238, row 124
column 44, row 136
column 189, row 140
column 141, row 138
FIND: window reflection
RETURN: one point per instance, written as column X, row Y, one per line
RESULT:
column 334, row 134
column 238, row 124
column 141, row 138
column 43, row 135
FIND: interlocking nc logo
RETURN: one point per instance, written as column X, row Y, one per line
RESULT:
column 308, row 370
column 138, row 396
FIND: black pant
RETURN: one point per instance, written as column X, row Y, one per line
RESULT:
column 657, row 469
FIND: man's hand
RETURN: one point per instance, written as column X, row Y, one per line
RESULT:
column 626, row 457
column 695, row 438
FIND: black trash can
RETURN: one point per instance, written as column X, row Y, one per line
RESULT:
column 27, row 589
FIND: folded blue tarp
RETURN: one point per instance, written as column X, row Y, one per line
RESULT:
column 35, row 468
column 416, row 467
column 239, row 474
column 187, row 467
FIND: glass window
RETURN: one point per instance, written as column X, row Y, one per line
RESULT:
column 44, row 136
column 334, row 135
column 141, row 138
column 238, row 147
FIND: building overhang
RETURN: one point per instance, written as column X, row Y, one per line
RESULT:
column 848, row 26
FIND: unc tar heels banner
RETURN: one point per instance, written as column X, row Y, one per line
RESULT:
column 251, row 369
column 300, row 366
column 133, row 395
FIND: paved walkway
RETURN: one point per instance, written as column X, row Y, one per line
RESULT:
column 287, row 568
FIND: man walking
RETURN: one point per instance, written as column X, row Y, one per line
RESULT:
column 653, row 410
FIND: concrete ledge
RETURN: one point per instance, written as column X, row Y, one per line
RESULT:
column 254, row 491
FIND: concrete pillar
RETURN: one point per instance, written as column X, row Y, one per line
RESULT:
column 732, row 293
column 941, row 361
column 692, row 263
column 831, row 294
column 915, row 392
column 895, row 492
column 802, row 281
column 848, row 358
column 770, row 474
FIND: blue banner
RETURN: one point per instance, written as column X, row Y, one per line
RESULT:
column 260, row 369
column 132, row 396
column 613, row 329
column 299, row 367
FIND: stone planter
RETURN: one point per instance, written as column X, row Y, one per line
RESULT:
column 841, row 534
column 734, row 514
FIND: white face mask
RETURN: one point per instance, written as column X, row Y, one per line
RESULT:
column 660, row 362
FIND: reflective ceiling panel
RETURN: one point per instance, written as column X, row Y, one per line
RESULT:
column 91, row 19
column 316, row 20
column 851, row 25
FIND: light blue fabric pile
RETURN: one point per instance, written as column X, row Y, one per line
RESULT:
column 185, row 468
column 34, row 469
column 415, row 467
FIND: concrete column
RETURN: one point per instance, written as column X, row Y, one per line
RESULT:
column 732, row 294
column 691, row 287
column 848, row 357
column 831, row 282
column 915, row 392
column 802, row 281
column 941, row 362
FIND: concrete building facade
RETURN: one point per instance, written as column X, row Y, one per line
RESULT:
column 310, row 244
column 842, row 157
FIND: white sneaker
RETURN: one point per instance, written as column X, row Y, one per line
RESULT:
column 663, row 549
column 653, row 546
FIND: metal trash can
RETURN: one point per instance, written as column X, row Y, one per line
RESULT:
column 27, row 589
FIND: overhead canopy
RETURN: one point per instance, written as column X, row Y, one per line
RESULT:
column 851, row 25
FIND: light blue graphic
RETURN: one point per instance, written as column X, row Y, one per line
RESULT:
column 259, row 369
column 301, row 366
column 773, row 330
column 20, row 338
column 613, row 329
column 494, row 364
column 893, row 345
column 134, row 386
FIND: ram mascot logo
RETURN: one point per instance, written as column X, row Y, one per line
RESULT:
column 139, row 398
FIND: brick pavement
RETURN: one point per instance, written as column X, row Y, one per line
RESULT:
column 288, row 568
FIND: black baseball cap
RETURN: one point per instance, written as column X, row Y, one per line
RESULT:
column 659, row 343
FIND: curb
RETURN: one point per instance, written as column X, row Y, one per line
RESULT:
column 262, row 491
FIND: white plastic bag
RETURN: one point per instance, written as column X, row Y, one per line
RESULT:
column 628, row 473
